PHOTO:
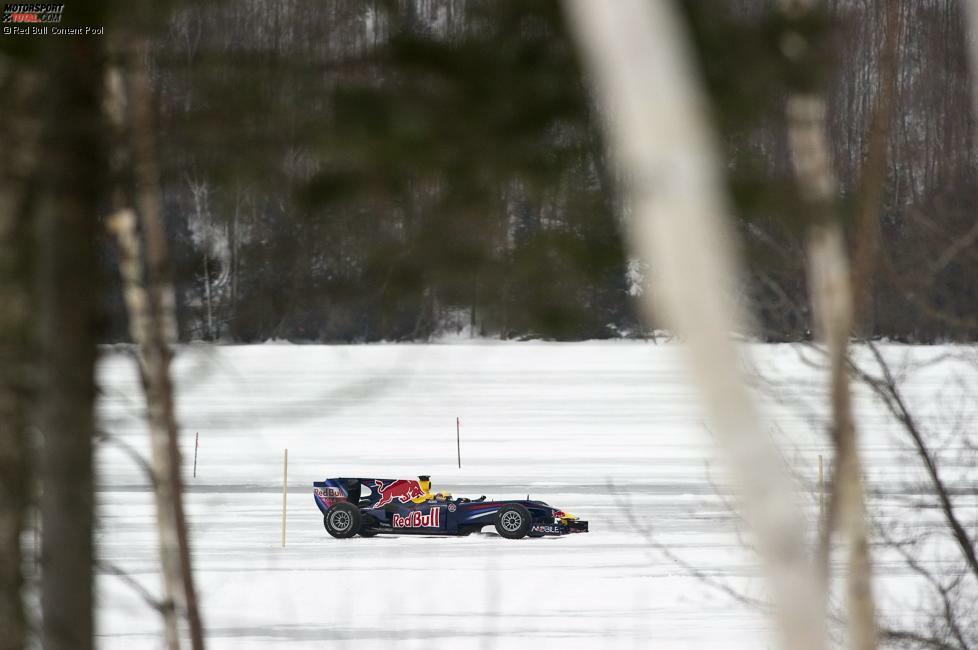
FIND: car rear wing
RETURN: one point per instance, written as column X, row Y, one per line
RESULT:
column 334, row 490
column 364, row 492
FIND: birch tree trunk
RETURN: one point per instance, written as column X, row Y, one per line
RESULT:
column 21, row 132
column 638, row 57
column 68, row 314
column 152, row 317
column 831, row 291
column 123, row 226
column 161, row 328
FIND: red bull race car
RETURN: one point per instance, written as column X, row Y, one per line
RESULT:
column 368, row 506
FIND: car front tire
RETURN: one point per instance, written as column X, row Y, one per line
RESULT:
column 342, row 520
column 513, row 521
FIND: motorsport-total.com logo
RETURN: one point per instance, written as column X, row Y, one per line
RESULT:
column 40, row 13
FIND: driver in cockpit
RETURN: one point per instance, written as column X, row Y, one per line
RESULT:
column 428, row 495
column 441, row 497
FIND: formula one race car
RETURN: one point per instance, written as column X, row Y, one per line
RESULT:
column 368, row 506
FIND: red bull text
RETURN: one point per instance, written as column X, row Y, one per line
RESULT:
column 329, row 495
column 418, row 520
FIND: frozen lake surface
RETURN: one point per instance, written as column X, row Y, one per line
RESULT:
column 611, row 432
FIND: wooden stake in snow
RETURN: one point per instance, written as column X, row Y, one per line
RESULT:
column 285, row 491
column 197, row 446
column 458, row 441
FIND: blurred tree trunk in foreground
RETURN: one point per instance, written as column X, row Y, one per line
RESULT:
column 68, row 290
column 19, row 131
column 831, row 291
column 643, row 73
column 152, row 316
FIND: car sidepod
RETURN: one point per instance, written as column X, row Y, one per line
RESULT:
column 430, row 518
column 427, row 518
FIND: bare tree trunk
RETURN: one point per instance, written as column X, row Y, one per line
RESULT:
column 151, row 307
column 971, row 36
column 207, row 295
column 872, row 181
column 69, row 295
column 20, row 132
column 123, row 226
column 162, row 326
column 235, row 234
column 202, row 214
column 830, row 286
column 641, row 67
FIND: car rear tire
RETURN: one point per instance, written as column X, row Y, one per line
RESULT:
column 513, row 521
column 342, row 520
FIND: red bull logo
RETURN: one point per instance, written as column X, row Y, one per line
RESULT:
column 329, row 495
column 400, row 490
column 418, row 519
column 329, row 492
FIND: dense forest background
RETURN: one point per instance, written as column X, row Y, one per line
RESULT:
column 360, row 171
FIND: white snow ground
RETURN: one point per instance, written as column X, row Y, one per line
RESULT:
column 598, row 429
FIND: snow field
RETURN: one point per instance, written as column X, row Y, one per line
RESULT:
column 609, row 431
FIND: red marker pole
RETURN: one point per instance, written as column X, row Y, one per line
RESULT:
column 458, row 441
column 196, row 447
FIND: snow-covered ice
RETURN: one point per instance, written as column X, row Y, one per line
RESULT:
column 607, row 431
